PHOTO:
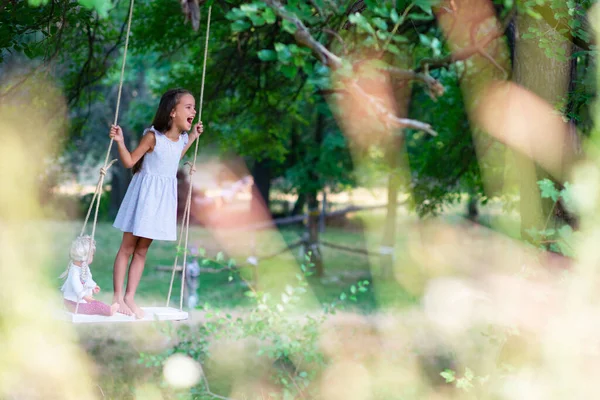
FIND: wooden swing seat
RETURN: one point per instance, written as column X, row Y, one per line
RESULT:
column 151, row 314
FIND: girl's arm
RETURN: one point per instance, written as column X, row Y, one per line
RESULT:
column 193, row 135
column 129, row 159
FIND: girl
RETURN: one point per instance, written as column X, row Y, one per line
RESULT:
column 79, row 286
column 149, row 210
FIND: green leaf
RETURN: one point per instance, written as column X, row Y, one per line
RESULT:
column 360, row 21
column 548, row 190
column 289, row 26
column 464, row 384
column 101, row 6
column 249, row 8
column 269, row 16
column 468, row 374
column 426, row 5
column 394, row 16
column 289, row 71
column 448, row 375
column 392, row 48
column 27, row 51
column 250, row 293
column 533, row 13
column 565, row 232
column 567, row 195
column 267, row 55
column 283, row 53
column 257, row 20
column 240, row 26
column 235, row 14
column 380, row 23
column 383, row 35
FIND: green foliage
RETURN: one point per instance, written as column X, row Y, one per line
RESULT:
column 560, row 239
column 444, row 167
column 263, row 86
column 289, row 346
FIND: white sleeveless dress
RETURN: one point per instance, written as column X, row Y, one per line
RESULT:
column 149, row 208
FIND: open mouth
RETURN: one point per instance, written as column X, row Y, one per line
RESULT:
column 190, row 120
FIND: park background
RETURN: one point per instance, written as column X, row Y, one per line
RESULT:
column 422, row 220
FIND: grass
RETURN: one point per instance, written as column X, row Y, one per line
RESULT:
column 342, row 268
column 114, row 350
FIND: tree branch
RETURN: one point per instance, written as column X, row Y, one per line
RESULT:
column 467, row 52
column 435, row 88
column 389, row 117
column 304, row 37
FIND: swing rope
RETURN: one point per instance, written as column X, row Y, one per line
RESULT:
column 100, row 185
column 186, row 213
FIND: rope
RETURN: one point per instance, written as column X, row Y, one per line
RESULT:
column 107, row 165
column 99, row 187
column 186, row 213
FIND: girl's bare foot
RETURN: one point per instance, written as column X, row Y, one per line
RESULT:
column 139, row 313
column 123, row 308
column 113, row 309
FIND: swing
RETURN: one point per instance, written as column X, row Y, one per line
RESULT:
column 166, row 313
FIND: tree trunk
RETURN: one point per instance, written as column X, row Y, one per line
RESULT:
column 548, row 77
column 397, row 170
column 299, row 204
column 389, row 231
column 313, row 234
column 262, row 174
column 313, row 206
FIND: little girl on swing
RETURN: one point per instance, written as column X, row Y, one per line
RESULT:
column 149, row 209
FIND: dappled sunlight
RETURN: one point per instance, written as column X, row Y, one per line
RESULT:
column 507, row 111
column 240, row 230
column 39, row 354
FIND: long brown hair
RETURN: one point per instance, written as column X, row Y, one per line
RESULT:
column 162, row 119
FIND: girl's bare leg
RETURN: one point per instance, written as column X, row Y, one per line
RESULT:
column 125, row 252
column 135, row 274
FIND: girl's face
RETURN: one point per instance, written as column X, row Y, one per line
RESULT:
column 184, row 112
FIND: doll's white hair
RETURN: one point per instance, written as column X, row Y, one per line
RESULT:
column 81, row 247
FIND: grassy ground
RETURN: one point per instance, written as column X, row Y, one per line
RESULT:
column 342, row 268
